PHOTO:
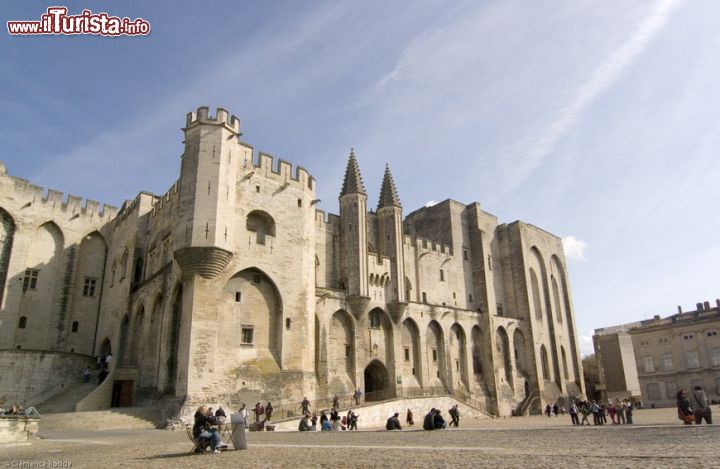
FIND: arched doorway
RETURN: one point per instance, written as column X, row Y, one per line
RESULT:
column 376, row 382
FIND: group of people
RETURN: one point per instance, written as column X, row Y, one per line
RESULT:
column 332, row 422
column 18, row 409
column 695, row 409
column 206, row 428
column 619, row 411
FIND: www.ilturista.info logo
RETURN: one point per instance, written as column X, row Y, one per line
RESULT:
column 57, row 21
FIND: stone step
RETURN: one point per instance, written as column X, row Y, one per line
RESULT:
column 114, row 419
column 65, row 400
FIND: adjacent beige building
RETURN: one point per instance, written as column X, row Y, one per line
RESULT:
column 678, row 352
column 233, row 287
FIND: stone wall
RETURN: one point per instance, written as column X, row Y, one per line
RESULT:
column 18, row 429
column 31, row 377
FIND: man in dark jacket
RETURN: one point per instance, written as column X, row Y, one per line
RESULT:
column 393, row 423
column 429, row 422
column 438, row 420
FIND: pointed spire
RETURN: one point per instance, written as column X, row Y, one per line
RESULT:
column 388, row 193
column 353, row 180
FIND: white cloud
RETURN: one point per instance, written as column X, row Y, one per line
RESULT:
column 430, row 203
column 586, row 345
column 574, row 248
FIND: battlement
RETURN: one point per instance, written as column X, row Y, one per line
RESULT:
column 283, row 172
column 202, row 116
column 432, row 246
column 56, row 201
column 322, row 219
column 165, row 199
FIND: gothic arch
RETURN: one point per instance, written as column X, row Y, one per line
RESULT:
column 503, row 348
column 435, row 350
column 556, row 300
column 544, row 363
column 519, row 345
column 40, row 302
column 341, row 353
column 173, row 340
column 138, row 336
column 408, row 289
column 569, row 323
column 89, row 275
column 411, row 367
column 381, row 335
column 377, row 382
column 252, row 302
column 535, row 287
column 477, row 352
column 458, row 355
column 124, row 348
column 550, row 323
column 564, row 363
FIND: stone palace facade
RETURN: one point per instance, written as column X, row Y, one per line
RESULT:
column 232, row 287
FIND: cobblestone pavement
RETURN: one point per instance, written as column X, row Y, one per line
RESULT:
column 657, row 441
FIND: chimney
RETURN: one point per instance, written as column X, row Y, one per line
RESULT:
column 698, row 307
column 707, row 306
column 680, row 309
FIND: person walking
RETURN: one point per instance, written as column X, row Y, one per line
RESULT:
column 455, row 416
column 702, row 409
column 409, row 418
column 685, row 412
column 305, row 406
column 336, row 402
column 628, row 412
column 585, row 412
column 268, row 412
column 574, row 414
column 353, row 420
column 86, row 375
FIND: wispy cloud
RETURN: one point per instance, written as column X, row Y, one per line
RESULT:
column 574, row 248
column 601, row 78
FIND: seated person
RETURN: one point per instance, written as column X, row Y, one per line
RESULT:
column 204, row 429
column 326, row 426
column 429, row 420
column 438, row 421
column 304, row 424
column 220, row 415
column 393, row 423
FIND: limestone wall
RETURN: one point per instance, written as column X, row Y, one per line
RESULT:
column 31, row 377
column 17, row 429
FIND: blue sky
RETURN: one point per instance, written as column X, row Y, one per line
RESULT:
column 595, row 120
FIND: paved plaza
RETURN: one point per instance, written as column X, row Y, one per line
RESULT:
column 657, row 440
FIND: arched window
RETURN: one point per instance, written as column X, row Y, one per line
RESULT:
column 375, row 319
column 22, row 323
column 124, row 264
column 137, row 275
column 75, row 326
column 262, row 224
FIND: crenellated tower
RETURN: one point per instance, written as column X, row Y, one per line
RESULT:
column 204, row 232
column 390, row 240
column 353, row 237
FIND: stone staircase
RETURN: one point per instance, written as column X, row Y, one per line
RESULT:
column 121, row 418
column 66, row 399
